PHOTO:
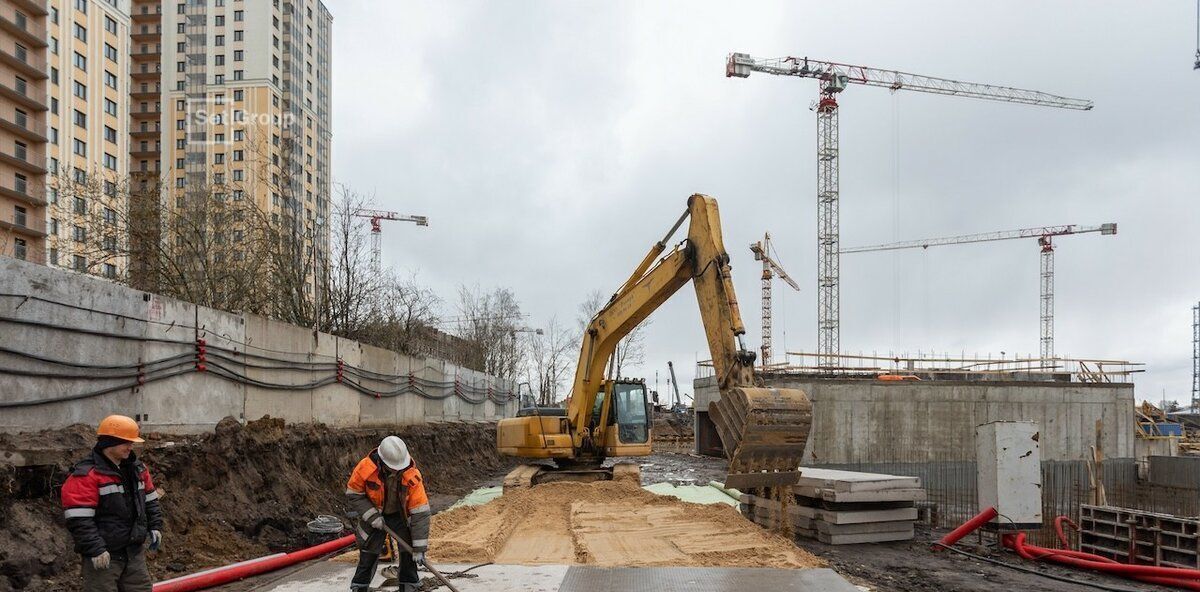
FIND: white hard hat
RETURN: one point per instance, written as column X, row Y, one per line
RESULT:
column 394, row 452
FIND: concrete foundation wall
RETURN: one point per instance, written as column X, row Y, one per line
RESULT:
column 871, row 421
column 196, row 401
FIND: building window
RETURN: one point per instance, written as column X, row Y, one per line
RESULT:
column 110, row 216
column 54, row 45
column 110, row 52
column 80, row 90
column 239, row 95
column 110, row 80
column 54, row 15
column 54, row 106
column 80, row 61
column 80, row 119
column 219, row 79
column 110, row 189
column 80, row 206
column 239, row 135
column 110, row 134
column 54, row 227
column 110, row 25
column 219, row 158
column 238, row 175
column 238, row 156
column 53, row 75
column 54, row 135
column 81, row 6
column 239, row 16
column 110, row 270
column 220, row 20
column 79, row 233
column 219, row 60
column 80, row 32
column 219, row 41
column 237, row 74
column 238, row 55
column 80, row 148
column 110, row 107
column 110, row 161
column 20, row 216
column 79, row 263
column 20, row 248
column 239, row 35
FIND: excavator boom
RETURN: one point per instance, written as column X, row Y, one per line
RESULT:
column 762, row 430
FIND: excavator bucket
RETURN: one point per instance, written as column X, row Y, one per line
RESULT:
column 763, row 432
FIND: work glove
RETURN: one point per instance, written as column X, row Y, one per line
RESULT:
column 419, row 556
column 377, row 522
column 102, row 560
column 155, row 540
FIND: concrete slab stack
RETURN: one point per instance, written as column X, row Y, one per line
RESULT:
column 842, row 507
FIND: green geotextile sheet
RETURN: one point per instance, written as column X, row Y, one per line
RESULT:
column 713, row 493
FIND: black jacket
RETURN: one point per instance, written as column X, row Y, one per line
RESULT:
column 110, row 508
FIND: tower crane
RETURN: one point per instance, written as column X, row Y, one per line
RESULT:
column 1044, row 236
column 762, row 252
column 833, row 79
column 377, row 217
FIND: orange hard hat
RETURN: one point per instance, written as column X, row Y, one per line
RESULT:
column 119, row 426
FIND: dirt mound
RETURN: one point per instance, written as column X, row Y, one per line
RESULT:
column 608, row 523
column 673, row 430
column 237, row 493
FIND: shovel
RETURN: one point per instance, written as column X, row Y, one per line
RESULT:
column 408, row 549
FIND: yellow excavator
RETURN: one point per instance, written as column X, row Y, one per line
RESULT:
column 762, row 430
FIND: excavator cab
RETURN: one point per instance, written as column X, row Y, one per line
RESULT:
column 624, row 407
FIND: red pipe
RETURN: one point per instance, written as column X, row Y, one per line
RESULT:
column 967, row 527
column 233, row 573
column 1170, row 576
column 1062, row 538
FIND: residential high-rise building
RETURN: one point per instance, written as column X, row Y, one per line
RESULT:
column 23, row 105
column 88, row 124
column 246, row 113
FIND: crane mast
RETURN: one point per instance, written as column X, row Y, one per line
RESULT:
column 762, row 252
column 1045, row 237
column 833, row 78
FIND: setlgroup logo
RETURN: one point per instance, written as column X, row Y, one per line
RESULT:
column 216, row 121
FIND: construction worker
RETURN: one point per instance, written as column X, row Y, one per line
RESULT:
column 386, row 488
column 112, row 510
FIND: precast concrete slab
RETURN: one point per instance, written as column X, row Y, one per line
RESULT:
column 329, row 575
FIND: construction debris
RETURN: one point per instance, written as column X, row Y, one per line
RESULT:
column 608, row 523
column 842, row 507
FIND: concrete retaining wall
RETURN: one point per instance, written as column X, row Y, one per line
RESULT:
column 870, row 421
column 38, row 299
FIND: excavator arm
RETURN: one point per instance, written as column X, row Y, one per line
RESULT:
column 763, row 430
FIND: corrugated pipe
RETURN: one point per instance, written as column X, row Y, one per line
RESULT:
column 1188, row 579
column 254, row 567
column 968, row 527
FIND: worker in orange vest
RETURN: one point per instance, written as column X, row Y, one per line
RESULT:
column 386, row 488
column 112, row 510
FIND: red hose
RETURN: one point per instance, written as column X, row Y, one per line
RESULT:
column 1169, row 576
column 234, row 573
column 1062, row 538
column 967, row 527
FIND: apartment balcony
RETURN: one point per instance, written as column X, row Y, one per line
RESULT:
column 148, row 152
column 23, row 126
column 25, row 191
column 33, row 7
column 149, row 16
column 21, row 64
column 152, row 114
column 152, row 74
column 20, row 95
column 21, row 161
column 19, row 227
column 25, row 32
column 149, row 54
column 143, row 95
column 149, row 134
column 151, row 36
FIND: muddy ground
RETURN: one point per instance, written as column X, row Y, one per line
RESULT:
column 238, row 493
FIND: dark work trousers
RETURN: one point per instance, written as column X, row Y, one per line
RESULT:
column 126, row 573
column 370, row 545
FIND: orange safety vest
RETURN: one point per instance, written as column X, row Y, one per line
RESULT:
column 365, row 479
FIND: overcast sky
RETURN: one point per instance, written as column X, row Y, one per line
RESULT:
column 551, row 143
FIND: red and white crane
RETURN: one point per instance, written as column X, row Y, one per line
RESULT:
column 762, row 252
column 1044, row 236
column 377, row 217
column 834, row 78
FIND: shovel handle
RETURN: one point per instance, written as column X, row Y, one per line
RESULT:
column 408, row 549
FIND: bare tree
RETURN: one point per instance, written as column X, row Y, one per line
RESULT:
column 489, row 323
column 353, row 289
column 551, row 360
column 630, row 351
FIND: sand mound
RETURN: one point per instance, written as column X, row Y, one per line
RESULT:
column 606, row 524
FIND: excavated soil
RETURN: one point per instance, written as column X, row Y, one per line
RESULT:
column 608, row 523
column 234, row 494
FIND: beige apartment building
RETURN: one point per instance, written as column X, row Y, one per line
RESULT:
column 88, row 128
column 24, row 78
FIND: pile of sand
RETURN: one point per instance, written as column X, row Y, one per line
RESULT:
column 609, row 523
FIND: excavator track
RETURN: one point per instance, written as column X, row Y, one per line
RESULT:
column 529, row 475
column 763, row 432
